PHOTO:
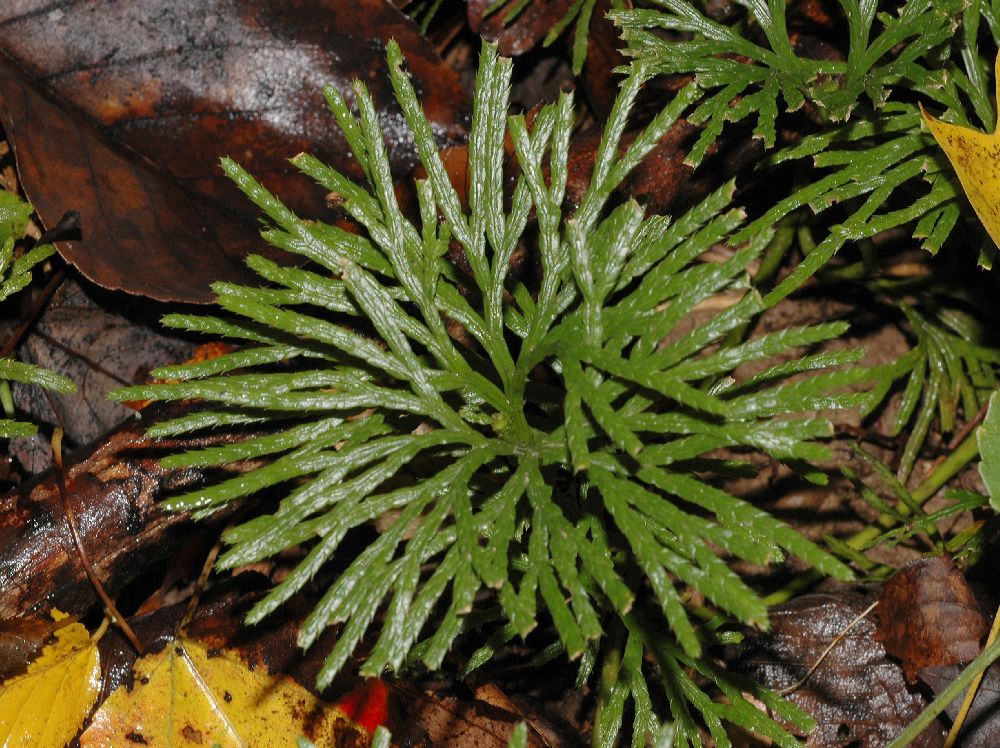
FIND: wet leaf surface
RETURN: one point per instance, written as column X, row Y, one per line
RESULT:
column 114, row 491
column 981, row 728
column 79, row 335
column 46, row 706
column 188, row 695
column 858, row 695
column 524, row 32
column 928, row 616
column 22, row 639
column 119, row 110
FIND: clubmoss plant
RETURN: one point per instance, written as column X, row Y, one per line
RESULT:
column 874, row 165
column 550, row 442
column 15, row 274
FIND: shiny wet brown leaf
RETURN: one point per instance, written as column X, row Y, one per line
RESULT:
column 22, row 639
column 857, row 695
column 981, row 728
column 522, row 33
column 121, row 110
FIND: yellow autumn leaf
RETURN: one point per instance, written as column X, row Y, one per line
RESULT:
column 46, row 706
column 975, row 156
column 185, row 696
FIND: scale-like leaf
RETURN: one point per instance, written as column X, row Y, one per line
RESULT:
column 524, row 443
column 989, row 448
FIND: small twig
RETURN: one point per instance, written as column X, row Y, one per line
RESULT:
column 78, row 542
column 50, row 288
column 970, row 695
column 968, row 426
column 199, row 587
column 857, row 619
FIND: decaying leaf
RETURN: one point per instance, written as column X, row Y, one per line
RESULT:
column 188, row 695
column 981, row 728
column 975, row 157
column 928, row 616
column 857, row 695
column 100, row 350
column 452, row 723
column 46, row 706
column 121, row 111
column 22, row 639
column 115, row 491
column 519, row 28
column 520, row 34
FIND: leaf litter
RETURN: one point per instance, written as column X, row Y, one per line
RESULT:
column 189, row 695
column 47, row 705
column 119, row 111
column 856, row 726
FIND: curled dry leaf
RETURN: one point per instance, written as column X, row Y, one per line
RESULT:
column 121, row 110
column 46, row 706
column 928, row 616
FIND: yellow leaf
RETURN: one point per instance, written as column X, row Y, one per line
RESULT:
column 184, row 696
column 46, row 706
column 975, row 157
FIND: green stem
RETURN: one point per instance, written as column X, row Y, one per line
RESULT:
column 948, row 695
column 610, row 674
column 770, row 263
column 965, row 453
column 6, row 399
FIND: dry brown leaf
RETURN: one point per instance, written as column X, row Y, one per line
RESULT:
column 928, row 616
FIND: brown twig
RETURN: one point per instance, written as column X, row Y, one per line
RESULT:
column 78, row 542
column 819, row 660
column 199, row 587
column 50, row 288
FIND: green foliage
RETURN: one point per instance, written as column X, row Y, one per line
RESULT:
column 15, row 274
column 989, row 448
column 948, row 369
column 874, row 165
column 871, row 151
column 560, row 454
